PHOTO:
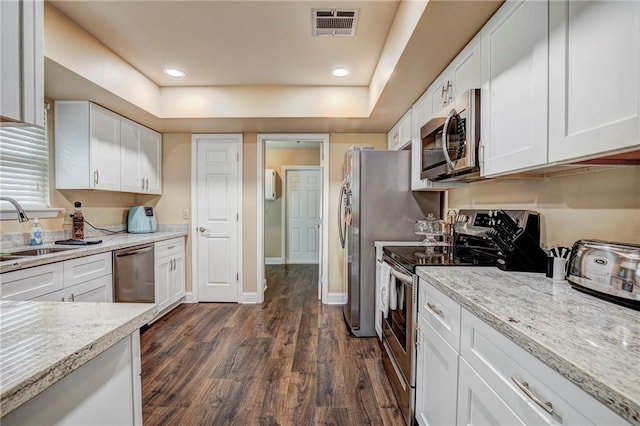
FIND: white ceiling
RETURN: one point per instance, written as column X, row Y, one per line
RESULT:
column 230, row 43
column 264, row 43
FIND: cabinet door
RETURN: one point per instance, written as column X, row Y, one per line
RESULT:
column 478, row 404
column 514, row 90
column 163, row 277
column 95, row 290
column 151, row 160
column 10, row 30
column 594, row 78
column 131, row 178
column 176, row 285
column 393, row 138
column 436, row 378
column 27, row 284
column 466, row 72
column 105, row 148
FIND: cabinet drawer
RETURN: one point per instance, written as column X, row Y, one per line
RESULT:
column 87, row 268
column 30, row 283
column 169, row 247
column 501, row 364
column 441, row 312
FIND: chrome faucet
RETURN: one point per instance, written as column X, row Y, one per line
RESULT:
column 22, row 216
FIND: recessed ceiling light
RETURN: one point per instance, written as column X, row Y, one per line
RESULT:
column 174, row 72
column 340, row 72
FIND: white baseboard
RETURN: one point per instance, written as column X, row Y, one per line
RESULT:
column 188, row 297
column 249, row 298
column 273, row 261
column 336, row 299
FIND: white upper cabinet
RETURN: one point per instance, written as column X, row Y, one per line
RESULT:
column 104, row 128
column 22, row 61
column 594, row 78
column 99, row 149
column 399, row 136
column 514, row 88
column 141, row 158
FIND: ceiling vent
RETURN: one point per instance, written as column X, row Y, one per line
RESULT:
column 334, row 22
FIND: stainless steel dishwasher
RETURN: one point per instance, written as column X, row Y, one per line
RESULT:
column 134, row 274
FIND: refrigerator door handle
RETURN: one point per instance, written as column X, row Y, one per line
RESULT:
column 341, row 228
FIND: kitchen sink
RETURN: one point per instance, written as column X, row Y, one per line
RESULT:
column 33, row 252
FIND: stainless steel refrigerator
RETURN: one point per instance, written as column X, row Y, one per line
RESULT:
column 376, row 204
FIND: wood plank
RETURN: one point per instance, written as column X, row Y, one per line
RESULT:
column 289, row 361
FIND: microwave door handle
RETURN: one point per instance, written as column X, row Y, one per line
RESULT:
column 445, row 138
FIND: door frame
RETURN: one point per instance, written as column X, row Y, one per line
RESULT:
column 194, row 208
column 283, row 223
column 323, row 138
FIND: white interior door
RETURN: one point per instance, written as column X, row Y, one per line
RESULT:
column 303, row 215
column 218, row 215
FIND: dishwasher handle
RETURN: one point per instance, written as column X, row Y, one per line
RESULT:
column 134, row 252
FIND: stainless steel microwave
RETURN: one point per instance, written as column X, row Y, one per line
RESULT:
column 450, row 141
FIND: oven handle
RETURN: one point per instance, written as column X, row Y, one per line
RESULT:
column 401, row 276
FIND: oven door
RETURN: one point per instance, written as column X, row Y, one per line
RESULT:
column 398, row 328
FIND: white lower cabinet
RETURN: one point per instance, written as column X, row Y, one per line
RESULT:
column 104, row 391
column 478, row 404
column 169, row 272
column 84, row 279
column 492, row 380
column 436, row 378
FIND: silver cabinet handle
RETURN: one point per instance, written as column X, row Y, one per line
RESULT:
column 434, row 308
column 417, row 337
column 142, row 183
column 170, row 247
column 524, row 387
column 73, row 298
column 174, row 264
column 62, row 299
column 170, row 265
column 146, row 187
column 95, row 177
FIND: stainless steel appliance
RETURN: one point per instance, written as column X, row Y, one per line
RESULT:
column 133, row 274
column 376, row 203
column 450, row 141
column 472, row 246
column 606, row 269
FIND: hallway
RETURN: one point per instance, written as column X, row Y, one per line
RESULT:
column 289, row 361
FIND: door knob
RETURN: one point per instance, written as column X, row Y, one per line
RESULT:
column 203, row 229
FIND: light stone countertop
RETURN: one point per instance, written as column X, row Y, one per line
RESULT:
column 42, row 342
column 593, row 343
column 109, row 243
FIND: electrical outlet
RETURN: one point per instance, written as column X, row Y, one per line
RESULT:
column 185, row 214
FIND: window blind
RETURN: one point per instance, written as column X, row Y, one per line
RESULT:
column 24, row 166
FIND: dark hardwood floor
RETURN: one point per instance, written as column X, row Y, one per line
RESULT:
column 289, row 361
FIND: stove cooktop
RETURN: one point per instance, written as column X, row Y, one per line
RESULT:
column 410, row 257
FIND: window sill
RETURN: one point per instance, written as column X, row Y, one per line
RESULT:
column 39, row 213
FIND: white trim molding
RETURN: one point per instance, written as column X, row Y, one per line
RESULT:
column 323, row 138
column 188, row 297
column 336, row 299
column 273, row 261
column 250, row 298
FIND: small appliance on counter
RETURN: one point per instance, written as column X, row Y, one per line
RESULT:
column 142, row 220
column 606, row 269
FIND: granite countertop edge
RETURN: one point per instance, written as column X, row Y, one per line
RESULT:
column 109, row 243
column 612, row 398
column 39, row 381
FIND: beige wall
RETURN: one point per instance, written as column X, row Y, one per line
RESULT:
column 275, row 158
column 603, row 204
column 176, row 188
column 249, row 212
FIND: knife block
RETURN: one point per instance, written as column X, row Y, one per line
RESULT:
column 520, row 248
